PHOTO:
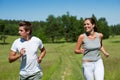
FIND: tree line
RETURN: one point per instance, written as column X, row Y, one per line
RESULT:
column 62, row 28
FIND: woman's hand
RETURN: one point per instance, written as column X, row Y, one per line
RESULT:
column 106, row 54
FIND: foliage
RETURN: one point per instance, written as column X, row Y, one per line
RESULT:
column 115, row 29
column 3, row 38
column 39, row 33
column 54, row 29
column 103, row 27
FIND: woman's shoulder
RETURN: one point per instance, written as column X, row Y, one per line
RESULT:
column 100, row 35
column 81, row 36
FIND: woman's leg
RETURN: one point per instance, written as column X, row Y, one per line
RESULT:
column 88, row 70
column 99, row 70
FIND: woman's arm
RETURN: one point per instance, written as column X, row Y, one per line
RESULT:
column 78, row 48
column 106, row 54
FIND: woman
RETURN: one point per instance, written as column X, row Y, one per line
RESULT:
column 89, row 44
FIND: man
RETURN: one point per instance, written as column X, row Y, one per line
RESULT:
column 26, row 48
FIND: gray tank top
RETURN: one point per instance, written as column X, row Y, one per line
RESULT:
column 92, row 48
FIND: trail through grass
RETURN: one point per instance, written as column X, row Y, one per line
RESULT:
column 60, row 62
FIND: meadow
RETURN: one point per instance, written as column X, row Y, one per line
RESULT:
column 60, row 62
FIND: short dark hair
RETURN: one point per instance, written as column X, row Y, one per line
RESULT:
column 27, row 25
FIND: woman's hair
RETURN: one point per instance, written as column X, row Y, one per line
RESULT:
column 92, row 22
column 27, row 26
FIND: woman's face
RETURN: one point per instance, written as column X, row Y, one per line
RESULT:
column 88, row 26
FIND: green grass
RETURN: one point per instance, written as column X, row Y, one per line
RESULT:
column 60, row 62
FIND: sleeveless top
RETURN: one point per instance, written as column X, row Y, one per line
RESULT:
column 92, row 48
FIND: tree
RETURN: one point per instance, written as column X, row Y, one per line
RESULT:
column 2, row 27
column 115, row 29
column 103, row 27
column 52, row 28
column 3, row 38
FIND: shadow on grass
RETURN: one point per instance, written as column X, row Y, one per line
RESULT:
column 4, row 43
column 59, row 42
column 115, row 41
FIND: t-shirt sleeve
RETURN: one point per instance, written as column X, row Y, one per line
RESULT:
column 13, row 47
column 40, row 44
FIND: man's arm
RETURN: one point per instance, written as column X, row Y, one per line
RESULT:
column 13, row 56
column 42, row 54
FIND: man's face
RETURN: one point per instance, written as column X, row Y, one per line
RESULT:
column 22, row 32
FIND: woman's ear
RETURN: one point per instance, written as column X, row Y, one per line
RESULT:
column 93, row 25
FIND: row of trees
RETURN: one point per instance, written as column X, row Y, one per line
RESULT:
column 115, row 29
column 65, row 27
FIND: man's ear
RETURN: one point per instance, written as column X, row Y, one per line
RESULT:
column 28, row 31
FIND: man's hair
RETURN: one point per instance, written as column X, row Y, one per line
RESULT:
column 27, row 26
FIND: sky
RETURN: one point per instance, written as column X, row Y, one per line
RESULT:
column 39, row 10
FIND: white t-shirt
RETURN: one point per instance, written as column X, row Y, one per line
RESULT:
column 29, row 64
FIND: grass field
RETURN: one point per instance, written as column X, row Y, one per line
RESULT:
column 60, row 62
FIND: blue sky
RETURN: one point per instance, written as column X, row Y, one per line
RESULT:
column 39, row 10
